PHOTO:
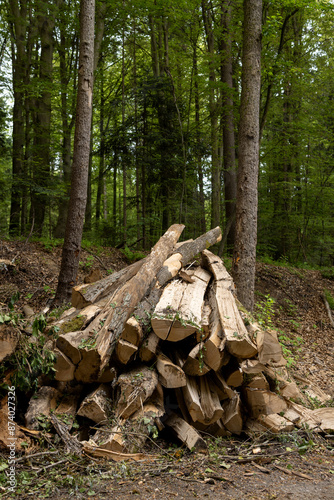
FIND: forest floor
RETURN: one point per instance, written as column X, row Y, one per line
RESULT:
column 297, row 465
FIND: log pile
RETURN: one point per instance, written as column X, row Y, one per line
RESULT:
column 165, row 344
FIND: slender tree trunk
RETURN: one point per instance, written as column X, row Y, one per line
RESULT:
column 230, row 170
column 65, row 68
column 214, row 109
column 42, row 133
column 18, row 13
column 78, row 197
column 244, row 257
column 202, row 222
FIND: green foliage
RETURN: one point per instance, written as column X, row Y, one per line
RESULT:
column 265, row 311
column 132, row 255
column 31, row 358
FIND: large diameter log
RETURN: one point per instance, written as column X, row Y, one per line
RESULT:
column 238, row 342
column 185, row 253
column 97, row 406
column 167, row 308
column 188, row 318
column 130, row 294
column 171, row 376
column 134, row 388
column 179, row 311
column 186, row 433
column 83, row 295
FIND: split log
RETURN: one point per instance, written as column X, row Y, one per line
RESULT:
column 9, row 338
column 258, row 381
column 261, row 401
column 215, row 355
column 134, row 388
column 40, row 406
column 274, row 423
column 83, row 295
column 280, row 384
column 269, row 349
column 238, row 342
column 188, row 318
column 233, row 374
column 223, row 390
column 126, row 300
column 232, row 418
column 132, row 332
column 179, row 311
column 125, row 351
column 193, row 400
column 167, row 308
column 149, row 347
column 171, row 376
column 326, row 418
column 185, row 253
column 97, row 406
column 63, row 366
column 186, row 433
column 194, row 364
column 210, row 403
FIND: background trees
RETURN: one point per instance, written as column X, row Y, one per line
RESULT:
column 165, row 125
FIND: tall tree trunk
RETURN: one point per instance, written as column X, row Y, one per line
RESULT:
column 214, row 110
column 244, row 257
column 65, row 69
column 230, row 170
column 202, row 222
column 79, row 179
column 18, row 13
column 42, row 134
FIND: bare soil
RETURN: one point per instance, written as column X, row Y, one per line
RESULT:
column 296, row 466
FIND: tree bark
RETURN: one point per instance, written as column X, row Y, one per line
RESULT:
column 79, row 179
column 244, row 257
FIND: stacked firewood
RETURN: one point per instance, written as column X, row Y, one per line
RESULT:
column 165, row 344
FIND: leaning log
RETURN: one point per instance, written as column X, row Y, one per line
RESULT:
column 185, row 253
column 126, row 299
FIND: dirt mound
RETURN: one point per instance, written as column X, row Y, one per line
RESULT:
column 35, row 273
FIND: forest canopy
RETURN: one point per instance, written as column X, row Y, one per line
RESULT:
column 165, row 125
